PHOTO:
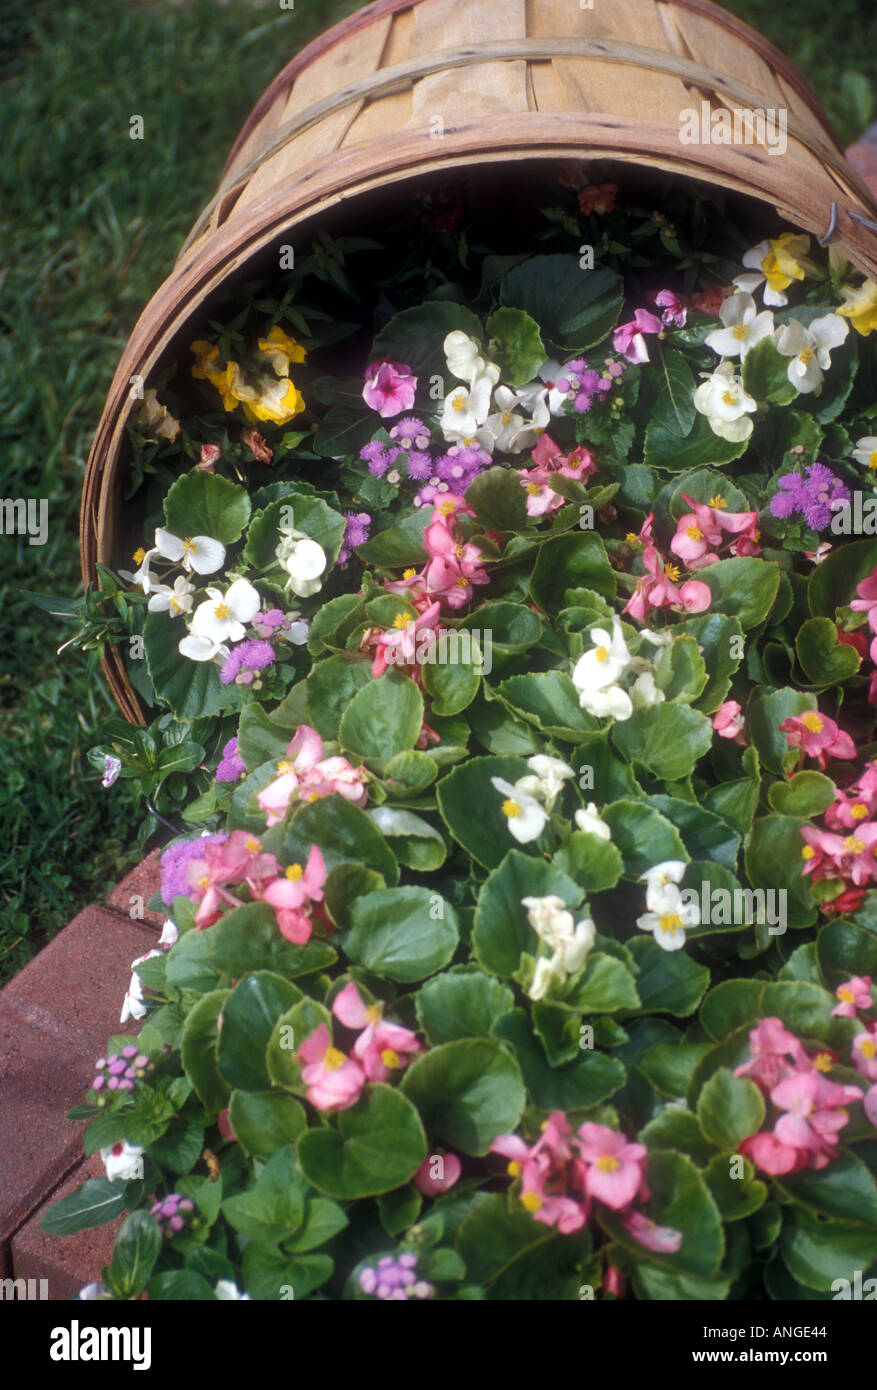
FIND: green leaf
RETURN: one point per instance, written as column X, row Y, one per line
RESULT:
column 845, row 1191
column 666, row 740
column 674, row 409
column 137, row 1247
column 416, row 843
column 401, row 934
column 198, row 1049
column 590, row 861
column 743, row 587
column 311, row 515
column 680, row 1199
column 344, row 884
column 701, row 448
column 343, row 833
column 265, row 1121
column 680, row 670
column 398, row 545
column 331, row 686
column 259, row 740
column 670, row 1066
column 248, row 1018
column 379, row 1145
column 550, row 701
column 498, row 500
column 731, row 1005
column 714, row 634
column 735, row 1197
column 516, row 345
column 668, row 982
column 575, row 307
column 502, row 931
column 248, row 938
column 382, row 719
column 826, row 660
column 806, row 794
column 191, row 688
column 323, row 1220
column 643, row 835
column 399, row 1209
column 577, row 560
column 844, row 950
column 677, row 1129
column 833, row 583
column 180, row 1286
column 467, row 1092
column 206, row 504
column 461, row 1003
column 766, row 374
column 188, row 966
column 416, row 336
column 816, row 1253
column 586, row 1082
column 773, row 862
column 729, row 1109
column 95, row 1203
column 705, row 835
column 270, row 1275
column 453, row 684
column 605, row 987
column 272, row 1209
column 769, row 709
column 493, row 1234
column 472, row 807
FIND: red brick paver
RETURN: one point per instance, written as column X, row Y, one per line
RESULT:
column 133, row 893
column 64, row 1262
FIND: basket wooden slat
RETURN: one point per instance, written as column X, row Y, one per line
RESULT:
column 354, row 114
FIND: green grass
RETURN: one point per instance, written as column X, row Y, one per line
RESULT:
column 90, row 223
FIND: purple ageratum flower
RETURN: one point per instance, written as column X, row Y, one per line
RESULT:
column 270, row 622
column 357, row 526
column 231, row 766
column 168, row 1213
column 243, row 664
column 378, row 457
column 394, row 1278
column 788, row 499
column 175, row 860
column 810, row 496
column 410, row 433
column 120, row 1071
column 420, row 465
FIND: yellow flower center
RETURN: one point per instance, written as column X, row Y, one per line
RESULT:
column 601, row 654
column 189, row 545
column 872, row 463
column 222, row 611
column 672, row 572
column 252, row 844
column 285, row 767
column 607, row 1163
column 203, row 881
column 459, row 403
column 294, row 872
column 390, row 1058
column 670, row 923
column 408, row 574
column 729, row 398
column 846, row 996
column 631, row 537
column 462, row 583
column 740, row 331
column 314, row 796
column 514, row 1168
column 854, row 845
column 511, row 809
column 822, row 1061
column 506, row 418
column 694, row 532
column 333, row 1059
column 373, row 1013
column 717, row 501
column 532, row 1201
column 807, row 852
column 858, row 812
column 401, row 620
column 812, row 722
column 533, row 489
column 868, row 1049
column 446, row 506
column 807, row 356
column 140, row 553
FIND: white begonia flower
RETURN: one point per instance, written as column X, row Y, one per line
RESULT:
column 866, row 452
column 465, row 409
column 743, row 326
column 199, row 553
column 510, row 431
column 613, row 703
column 123, row 1161
column 644, row 693
column 554, row 924
column 661, row 881
column 549, row 776
column 227, row 1291
column 176, row 600
column 133, row 1005
column 591, row 822
column 92, row 1291
column 721, row 398
column 667, row 923
column 143, row 574
column 464, row 359
column 198, row 648
column 550, row 373
column 303, row 559
column 222, row 617
column 795, row 256
column 525, row 815
column 298, row 631
column 543, row 978
column 169, row 933
column 810, row 349
column 657, row 639
column 608, row 659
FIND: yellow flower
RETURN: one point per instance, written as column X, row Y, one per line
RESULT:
column 781, row 264
column 280, row 350
column 861, row 307
column 275, row 400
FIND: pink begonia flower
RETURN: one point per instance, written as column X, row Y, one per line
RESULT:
column 292, row 893
column 398, row 646
column 650, row 1235
column 237, row 861
column 814, row 1115
column 615, row 1167
column 675, row 312
column 728, row 721
column 867, row 603
column 453, row 566
column 614, row 1282
column 335, row 774
column 450, row 1169
column 854, row 804
column 657, row 590
column 381, row 1047
column 768, row 1154
column 865, row 1053
column 303, row 752
column 854, row 994
column 870, row 1104
column 770, row 1043
column 549, row 461
column 818, row 736
column 703, row 527
column 334, row 1081
column 210, row 455
column 850, row 857
column 556, row 1135
column 389, row 387
column 628, row 338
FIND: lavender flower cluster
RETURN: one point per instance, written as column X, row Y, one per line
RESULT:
column 409, row 457
column 809, row 495
column 175, row 861
column 394, row 1279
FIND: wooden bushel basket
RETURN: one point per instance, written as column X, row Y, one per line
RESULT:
column 359, row 109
